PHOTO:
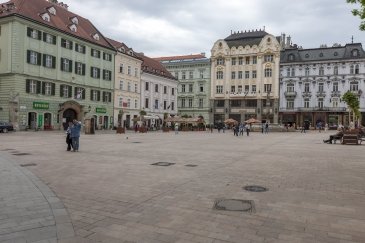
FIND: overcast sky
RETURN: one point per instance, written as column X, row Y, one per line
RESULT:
column 171, row 27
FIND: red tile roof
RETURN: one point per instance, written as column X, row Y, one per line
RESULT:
column 117, row 45
column 32, row 10
column 192, row 56
column 153, row 66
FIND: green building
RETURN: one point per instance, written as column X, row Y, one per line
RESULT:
column 55, row 66
column 193, row 73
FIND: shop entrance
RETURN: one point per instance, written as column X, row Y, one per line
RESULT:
column 68, row 116
column 32, row 120
column 47, row 121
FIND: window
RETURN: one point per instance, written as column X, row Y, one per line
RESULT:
column 247, row 60
column 219, row 74
column 233, row 89
column 107, row 97
column 201, row 73
column 357, row 69
column 156, row 88
column 34, row 57
column 156, row 104
column 320, row 87
column 201, row 87
column 66, row 44
column 79, row 93
column 164, row 104
column 233, row 75
column 107, row 75
column 80, row 48
column 247, row 88
column 96, row 37
column 136, row 72
column 47, row 88
column 307, row 72
column 253, row 88
column 247, row 74
column 191, row 75
column 288, row 72
column 254, row 74
column 121, row 68
column 65, row 91
column 239, row 90
column 129, row 86
column 355, row 53
column 190, row 88
column 183, row 75
column 183, row 88
column 79, row 68
column 35, row 34
column 95, row 72
column 52, row 10
column 172, row 91
column 270, row 58
column 95, row 53
column 49, row 61
column 268, row 72
column 146, row 86
column 290, row 88
column 66, row 65
column 290, row 104
column 50, row 39
column 73, row 28
column 120, row 103
column 201, row 103
column 182, row 103
column 190, row 102
column 96, row 95
column 33, row 86
column 291, row 57
column 320, row 102
column 335, row 70
column 267, row 88
column 136, row 88
column 220, row 103
column 239, row 74
column 321, row 71
column 352, row 69
column 176, row 75
column 254, row 60
column 220, row 61
column 240, row 60
column 292, row 72
column 172, row 105
column 335, row 102
column 107, row 57
column 129, row 103
column 135, row 104
column 335, row 86
column 236, row 103
column 146, row 103
column 129, row 70
column 233, row 61
column 306, row 87
column 306, row 103
column 354, row 86
column 121, row 84
column 219, row 89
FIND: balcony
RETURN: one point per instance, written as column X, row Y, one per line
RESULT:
column 290, row 94
column 307, row 94
column 321, row 94
column 242, row 94
column 284, row 109
column 331, row 109
column 335, row 94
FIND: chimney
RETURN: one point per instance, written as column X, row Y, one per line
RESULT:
column 282, row 41
column 288, row 42
column 203, row 54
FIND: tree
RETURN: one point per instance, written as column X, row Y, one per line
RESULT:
column 359, row 12
column 353, row 103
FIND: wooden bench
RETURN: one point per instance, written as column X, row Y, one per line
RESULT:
column 352, row 137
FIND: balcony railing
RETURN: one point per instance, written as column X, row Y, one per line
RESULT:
column 335, row 93
column 290, row 93
column 321, row 94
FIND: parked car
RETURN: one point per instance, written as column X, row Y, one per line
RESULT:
column 5, row 127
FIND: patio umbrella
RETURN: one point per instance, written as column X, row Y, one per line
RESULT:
column 230, row 121
column 252, row 120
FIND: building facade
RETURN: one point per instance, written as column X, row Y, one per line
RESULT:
column 158, row 92
column 245, row 77
column 193, row 74
column 312, row 82
column 55, row 66
column 127, row 92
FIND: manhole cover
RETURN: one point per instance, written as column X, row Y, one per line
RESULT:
column 254, row 188
column 136, row 142
column 25, row 165
column 189, row 165
column 20, row 154
column 234, row 205
column 163, row 164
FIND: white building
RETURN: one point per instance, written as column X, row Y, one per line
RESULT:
column 158, row 92
column 245, row 77
column 312, row 82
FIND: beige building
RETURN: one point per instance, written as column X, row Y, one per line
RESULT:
column 127, row 95
column 245, row 77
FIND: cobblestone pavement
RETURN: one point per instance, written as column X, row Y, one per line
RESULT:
column 316, row 191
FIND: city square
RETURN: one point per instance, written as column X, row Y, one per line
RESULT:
column 111, row 192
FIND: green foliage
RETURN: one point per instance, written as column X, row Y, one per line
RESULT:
column 142, row 113
column 353, row 103
column 360, row 12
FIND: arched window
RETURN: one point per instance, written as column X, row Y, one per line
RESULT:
column 268, row 72
column 290, row 87
column 307, row 72
column 335, row 70
column 355, row 53
column 357, row 69
column 321, row 71
column 291, row 57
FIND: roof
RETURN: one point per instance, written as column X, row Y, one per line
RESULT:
column 118, row 45
column 154, row 67
column 250, row 38
column 295, row 54
column 33, row 9
column 172, row 58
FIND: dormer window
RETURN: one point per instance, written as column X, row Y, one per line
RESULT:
column 96, row 36
column 73, row 28
column 46, row 17
column 355, row 53
column 122, row 49
column 75, row 20
column 131, row 53
column 52, row 10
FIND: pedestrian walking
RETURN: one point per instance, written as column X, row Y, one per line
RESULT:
column 176, row 128
column 241, row 129
column 303, row 129
column 247, row 127
column 75, row 135
column 266, row 127
column 68, row 137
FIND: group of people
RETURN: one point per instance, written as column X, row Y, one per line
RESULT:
column 239, row 129
column 73, row 136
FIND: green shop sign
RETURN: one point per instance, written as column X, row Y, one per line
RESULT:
column 40, row 105
column 100, row 110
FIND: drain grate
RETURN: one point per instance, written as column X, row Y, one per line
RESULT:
column 255, row 188
column 30, row 164
column 190, row 165
column 234, row 205
column 163, row 164
column 21, row 154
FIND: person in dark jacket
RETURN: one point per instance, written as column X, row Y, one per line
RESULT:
column 68, row 136
column 75, row 135
column 338, row 135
